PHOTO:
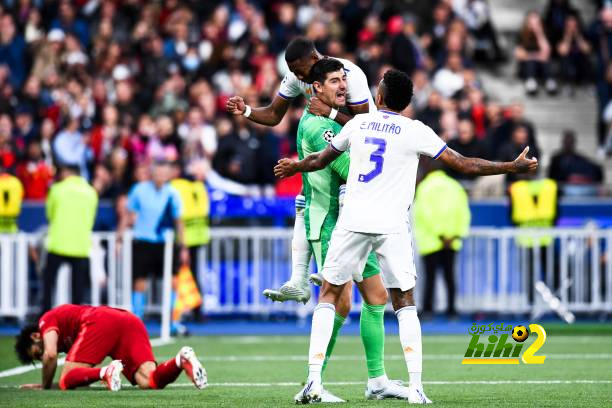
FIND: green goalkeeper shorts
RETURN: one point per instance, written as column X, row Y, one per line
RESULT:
column 319, row 249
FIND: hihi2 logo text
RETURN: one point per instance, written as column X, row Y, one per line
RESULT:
column 499, row 350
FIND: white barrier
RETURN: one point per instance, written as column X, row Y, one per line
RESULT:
column 494, row 272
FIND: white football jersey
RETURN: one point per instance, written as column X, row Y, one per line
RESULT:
column 358, row 91
column 384, row 153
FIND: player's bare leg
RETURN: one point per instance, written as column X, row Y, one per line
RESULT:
column 410, row 337
column 297, row 287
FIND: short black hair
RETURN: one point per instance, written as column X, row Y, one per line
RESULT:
column 24, row 342
column 324, row 66
column 396, row 89
column 299, row 48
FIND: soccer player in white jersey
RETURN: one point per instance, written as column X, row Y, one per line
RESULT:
column 300, row 56
column 384, row 152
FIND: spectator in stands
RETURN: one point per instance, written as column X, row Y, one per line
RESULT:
column 71, row 210
column 48, row 56
column 12, row 50
column 576, row 174
column 154, row 208
column 406, row 52
column 601, row 38
column 477, row 16
column 68, row 22
column 533, row 52
column 466, row 144
column 555, row 17
column 574, row 51
column 440, row 197
column 8, row 150
column 70, row 146
column 11, row 190
column 450, row 79
column 35, row 174
column 501, row 134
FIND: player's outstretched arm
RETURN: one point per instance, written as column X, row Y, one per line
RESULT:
column 481, row 167
column 49, row 358
column 320, row 108
column 317, row 161
column 269, row 115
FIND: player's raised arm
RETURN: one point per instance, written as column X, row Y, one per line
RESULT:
column 49, row 358
column 269, row 115
column 481, row 167
column 317, row 161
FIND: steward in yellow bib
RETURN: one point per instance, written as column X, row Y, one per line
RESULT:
column 11, row 196
column 195, row 210
column 534, row 205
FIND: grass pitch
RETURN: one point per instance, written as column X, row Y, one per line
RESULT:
column 266, row 371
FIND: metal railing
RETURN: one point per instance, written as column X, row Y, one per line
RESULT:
column 495, row 272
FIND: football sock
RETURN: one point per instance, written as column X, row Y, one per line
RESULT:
column 320, row 333
column 300, row 248
column 139, row 300
column 372, row 330
column 410, row 337
column 80, row 376
column 165, row 373
column 338, row 322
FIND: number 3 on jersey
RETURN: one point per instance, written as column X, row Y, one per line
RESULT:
column 376, row 157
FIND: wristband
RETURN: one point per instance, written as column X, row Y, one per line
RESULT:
column 332, row 114
column 247, row 111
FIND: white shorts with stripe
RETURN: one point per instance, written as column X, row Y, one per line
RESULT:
column 348, row 252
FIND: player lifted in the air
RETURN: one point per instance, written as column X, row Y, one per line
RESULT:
column 300, row 56
column 90, row 334
column 384, row 152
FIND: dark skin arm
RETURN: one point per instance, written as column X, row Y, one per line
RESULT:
column 320, row 108
column 49, row 358
column 468, row 165
column 269, row 115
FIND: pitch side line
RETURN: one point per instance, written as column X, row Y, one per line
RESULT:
column 60, row 362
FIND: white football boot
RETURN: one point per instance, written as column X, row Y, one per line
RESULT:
column 193, row 368
column 112, row 375
column 392, row 389
column 310, row 394
column 417, row 396
column 327, row 396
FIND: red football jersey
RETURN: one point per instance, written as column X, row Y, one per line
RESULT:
column 66, row 321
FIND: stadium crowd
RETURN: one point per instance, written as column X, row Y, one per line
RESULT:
column 113, row 86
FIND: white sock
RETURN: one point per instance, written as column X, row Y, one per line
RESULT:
column 410, row 337
column 300, row 249
column 378, row 382
column 177, row 360
column 320, row 333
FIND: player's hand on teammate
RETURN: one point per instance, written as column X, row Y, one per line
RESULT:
column 235, row 105
column 285, row 168
column 318, row 107
column 31, row 386
column 524, row 165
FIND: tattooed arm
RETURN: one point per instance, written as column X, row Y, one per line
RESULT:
column 480, row 167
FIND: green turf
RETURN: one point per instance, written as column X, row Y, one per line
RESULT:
column 229, row 375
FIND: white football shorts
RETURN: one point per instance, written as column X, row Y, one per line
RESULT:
column 348, row 252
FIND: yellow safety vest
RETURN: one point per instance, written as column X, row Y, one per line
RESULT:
column 195, row 210
column 534, row 205
column 11, row 195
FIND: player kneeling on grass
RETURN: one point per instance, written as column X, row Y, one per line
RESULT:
column 90, row 334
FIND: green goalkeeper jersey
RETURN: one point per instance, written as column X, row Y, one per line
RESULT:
column 321, row 188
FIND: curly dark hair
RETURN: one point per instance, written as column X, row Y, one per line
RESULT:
column 24, row 342
column 324, row 66
column 396, row 89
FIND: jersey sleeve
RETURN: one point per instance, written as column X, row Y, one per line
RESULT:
column 177, row 204
column 428, row 142
column 289, row 88
column 48, row 322
column 357, row 87
column 132, row 201
column 342, row 141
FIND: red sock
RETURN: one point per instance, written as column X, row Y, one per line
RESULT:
column 164, row 374
column 79, row 376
